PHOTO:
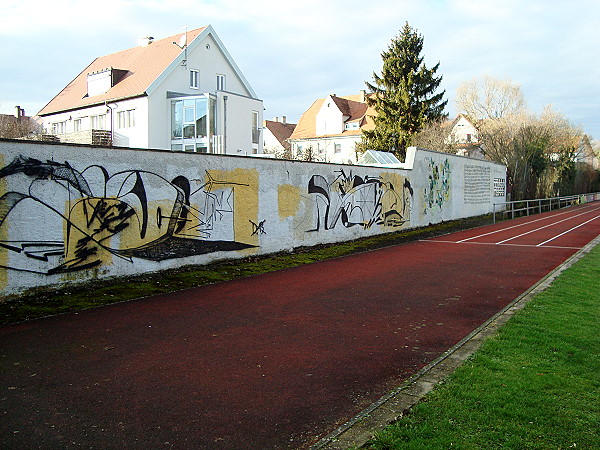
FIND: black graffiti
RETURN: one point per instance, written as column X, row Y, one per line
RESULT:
column 356, row 201
column 258, row 228
column 109, row 216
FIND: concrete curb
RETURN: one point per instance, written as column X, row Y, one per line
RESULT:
column 393, row 405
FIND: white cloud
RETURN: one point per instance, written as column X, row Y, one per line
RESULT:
column 295, row 52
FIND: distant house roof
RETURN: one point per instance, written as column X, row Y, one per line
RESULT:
column 139, row 69
column 352, row 106
column 281, row 131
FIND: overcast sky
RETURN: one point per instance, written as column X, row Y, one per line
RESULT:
column 295, row 52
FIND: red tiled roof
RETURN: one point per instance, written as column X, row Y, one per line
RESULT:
column 281, row 131
column 143, row 65
column 350, row 106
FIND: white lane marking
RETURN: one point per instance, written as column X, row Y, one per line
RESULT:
column 503, row 245
column 522, row 224
column 568, row 231
column 541, row 228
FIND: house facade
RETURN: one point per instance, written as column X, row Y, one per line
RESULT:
column 275, row 136
column 331, row 128
column 464, row 137
column 182, row 93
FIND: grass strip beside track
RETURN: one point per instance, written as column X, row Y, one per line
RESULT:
column 534, row 385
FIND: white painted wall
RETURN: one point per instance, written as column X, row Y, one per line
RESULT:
column 75, row 213
column 330, row 119
column 207, row 58
column 462, row 130
column 325, row 148
column 235, row 121
column 270, row 143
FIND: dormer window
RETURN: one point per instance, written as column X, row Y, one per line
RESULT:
column 101, row 81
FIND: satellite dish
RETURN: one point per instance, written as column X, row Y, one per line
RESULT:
column 182, row 41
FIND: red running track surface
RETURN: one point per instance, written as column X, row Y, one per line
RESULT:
column 271, row 361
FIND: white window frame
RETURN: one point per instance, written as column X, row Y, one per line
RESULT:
column 59, row 127
column 126, row 119
column 337, row 148
column 194, row 79
column 221, row 82
column 98, row 122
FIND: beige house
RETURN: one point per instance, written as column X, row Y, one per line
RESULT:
column 331, row 128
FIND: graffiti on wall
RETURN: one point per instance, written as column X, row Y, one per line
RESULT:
column 437, row 189
column 351, row 200
column 65, row 220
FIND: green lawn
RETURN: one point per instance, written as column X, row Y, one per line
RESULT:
column 534, row 385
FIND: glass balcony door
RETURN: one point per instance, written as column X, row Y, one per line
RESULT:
column 193, row 123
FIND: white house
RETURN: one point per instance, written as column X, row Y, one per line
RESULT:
column 464, row 137
column 183, row 93
column 275, row 136
column 332, row 127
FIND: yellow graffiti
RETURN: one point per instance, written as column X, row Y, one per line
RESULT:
column 244, row 183
column 84, row 237
column 288, row 200
column 395, row 197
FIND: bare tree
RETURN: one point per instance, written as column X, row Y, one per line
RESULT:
column 18, row 125
column 538, row 151
column 436, row 135
column 489, row 98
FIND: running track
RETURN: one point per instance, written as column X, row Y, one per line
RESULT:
column 271, row 361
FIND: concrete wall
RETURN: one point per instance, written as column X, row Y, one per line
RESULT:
column 74, row 213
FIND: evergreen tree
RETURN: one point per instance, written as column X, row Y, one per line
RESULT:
column 403, row 96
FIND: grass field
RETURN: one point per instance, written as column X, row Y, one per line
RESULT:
column 534, row 385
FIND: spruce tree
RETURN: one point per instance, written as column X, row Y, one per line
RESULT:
column 403, row 96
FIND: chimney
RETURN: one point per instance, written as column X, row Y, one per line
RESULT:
column 283, row 118
column 275, row 119
column 363, row 96
column 19, row 112
column 145, row 41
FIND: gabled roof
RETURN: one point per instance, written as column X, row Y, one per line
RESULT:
column 281, row 131
column 142, row 69
column 350, row 106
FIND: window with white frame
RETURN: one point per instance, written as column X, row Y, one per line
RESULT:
column 255, row 128
column 77, row 125
column 220, row 82
column 98, row 122
column 193, row 123
column 126, row 119
column 194, row 79
column 59, row 127
column 338, row 148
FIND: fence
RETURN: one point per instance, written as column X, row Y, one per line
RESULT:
column 527, row 207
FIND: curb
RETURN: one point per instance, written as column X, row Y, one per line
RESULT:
column 392, row 406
